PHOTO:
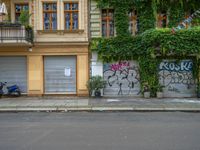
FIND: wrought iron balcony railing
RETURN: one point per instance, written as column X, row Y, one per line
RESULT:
column 15, row 34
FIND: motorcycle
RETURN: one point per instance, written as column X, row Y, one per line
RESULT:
column 13, row 90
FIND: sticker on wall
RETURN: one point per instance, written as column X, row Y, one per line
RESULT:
column 68, row 72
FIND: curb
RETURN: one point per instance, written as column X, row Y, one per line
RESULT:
column 93, row 109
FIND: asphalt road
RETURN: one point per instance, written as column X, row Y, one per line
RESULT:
column 100, row 131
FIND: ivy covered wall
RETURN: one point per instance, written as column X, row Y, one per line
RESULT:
column 151, row 45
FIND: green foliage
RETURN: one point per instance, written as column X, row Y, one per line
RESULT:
column 149, row 48
column 145, row 11
column 148, row 72
column 146, row 16
column 121, row 20
column 161, row 42
column 24, row 18
column 176, row 14
column 151, row 45
column 95, row 83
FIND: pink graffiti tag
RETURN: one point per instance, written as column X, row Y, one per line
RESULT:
column 119, row 66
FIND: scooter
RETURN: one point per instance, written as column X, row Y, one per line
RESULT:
column 13, row 90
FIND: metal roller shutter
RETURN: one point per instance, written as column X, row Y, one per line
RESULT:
column 122, row 79
column 60, row 74
column 13, row 70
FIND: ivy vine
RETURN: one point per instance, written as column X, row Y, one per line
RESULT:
column 151, row 45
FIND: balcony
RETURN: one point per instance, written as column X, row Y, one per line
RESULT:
column 14, row 34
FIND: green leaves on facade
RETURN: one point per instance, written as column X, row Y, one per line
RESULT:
column 150, row 45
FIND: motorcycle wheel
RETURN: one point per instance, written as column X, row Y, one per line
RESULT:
column 15, row 93
column 18, row 93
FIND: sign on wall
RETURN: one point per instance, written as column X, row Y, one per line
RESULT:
column 122, row 79
column 177, row 78
column 68, row 72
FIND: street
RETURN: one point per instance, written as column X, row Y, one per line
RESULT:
column 100, row 131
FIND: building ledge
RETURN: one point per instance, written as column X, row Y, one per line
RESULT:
column 61, row 43
column 15, row 43
column 61, row 32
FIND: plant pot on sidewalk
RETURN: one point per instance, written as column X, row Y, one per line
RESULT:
column 198, row 95
column 95, row 84
column 146, row 90
column 198, row 90
column 147, row 94
column 159, row 94
column 97, row 94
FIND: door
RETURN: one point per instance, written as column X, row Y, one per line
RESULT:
column 177, row 78
column 122, row 79
column 13, row 70
column 60, row 74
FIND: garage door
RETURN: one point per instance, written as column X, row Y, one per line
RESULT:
column 122, row 79
column 13, row 70
column 177, row 78
column 60, row 74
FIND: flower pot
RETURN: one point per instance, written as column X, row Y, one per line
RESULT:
column 159, row 94
column 198, row 94
column 97, row 93
column 146, row 94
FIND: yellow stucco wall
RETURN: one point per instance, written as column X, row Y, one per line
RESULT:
column 58, row 43
column 35, row 64
column 83, row 74
column 61, row 35
column 35, row 75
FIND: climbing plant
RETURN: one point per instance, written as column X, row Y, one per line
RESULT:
column 151, row 45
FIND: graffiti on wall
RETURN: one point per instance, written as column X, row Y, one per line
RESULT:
column 122, row 78
column 177, row 77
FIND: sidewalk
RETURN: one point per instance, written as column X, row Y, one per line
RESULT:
column 65, row 104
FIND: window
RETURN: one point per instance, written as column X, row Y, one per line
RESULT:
column 71, row 16
column 107, row 22
column 19, row 8
column 50, row 16
column 162, row 20
column 133, row 22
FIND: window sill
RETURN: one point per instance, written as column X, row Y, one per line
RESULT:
column 61, row 32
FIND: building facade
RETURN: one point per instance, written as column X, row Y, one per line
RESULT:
column 123, row 78
column 52, row 58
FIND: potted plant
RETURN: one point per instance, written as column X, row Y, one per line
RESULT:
column 198, row 90
column 24, row 18
column 159, row 92
column 95, row 84
column 146, row 90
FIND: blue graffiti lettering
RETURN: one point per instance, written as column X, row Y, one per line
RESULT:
column 173, row 66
